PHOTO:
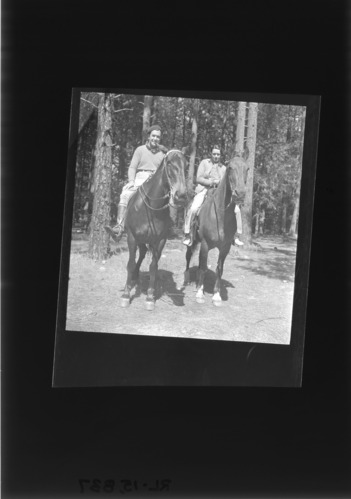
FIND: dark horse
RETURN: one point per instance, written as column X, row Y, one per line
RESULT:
column 217, row 225
column 148, row 219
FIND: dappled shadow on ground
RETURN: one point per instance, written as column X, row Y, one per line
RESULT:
column 165, row 286
column 287, row 252
column 209, row 281
column 81, row 246
column 118, row 250
column 272, row 266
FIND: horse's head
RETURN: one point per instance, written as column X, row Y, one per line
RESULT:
column 237, row 172
column 174, row 167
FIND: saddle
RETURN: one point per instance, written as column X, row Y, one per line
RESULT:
column 195, row 223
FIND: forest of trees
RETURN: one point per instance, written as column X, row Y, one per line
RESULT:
column 111, row 126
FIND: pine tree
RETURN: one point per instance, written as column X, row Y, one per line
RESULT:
column 240, row 128
column 251, row 147
column 99, row 239
column 194, row 127
column 148, row 99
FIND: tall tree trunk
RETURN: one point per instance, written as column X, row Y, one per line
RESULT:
column 208, row 129
column 172, row 145
column 293, row 224
column 251, row 144
column 146, row 116
column 294, row 218
column 224, row 127
column 262, row 219
column 240, row 128
column 284, row 211
column 193, row 144
column 154, row 110
column 184, row 124
column 99, row 239
column 256, row 217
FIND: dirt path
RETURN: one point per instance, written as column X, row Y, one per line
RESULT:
column 257, row 294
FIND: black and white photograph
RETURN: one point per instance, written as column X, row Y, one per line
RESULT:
column 184, row 216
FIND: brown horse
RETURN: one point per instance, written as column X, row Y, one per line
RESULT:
column 217, row 225
column 148, row 219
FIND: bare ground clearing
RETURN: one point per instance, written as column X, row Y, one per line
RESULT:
column 257, row 292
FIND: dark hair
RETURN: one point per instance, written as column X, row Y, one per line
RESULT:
column 154, row 127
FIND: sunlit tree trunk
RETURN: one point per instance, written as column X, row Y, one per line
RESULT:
column 262, row 219
column 155, row 109
column 173, row 141
column 256, row 217
column 294, row 219
column 224, row 128
column 98, row 238
column 284, row 211
column 146, row 116
column 240, row 128
column 251, row 145
column 191, row 170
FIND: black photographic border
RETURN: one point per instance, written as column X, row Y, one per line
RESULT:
column 212, row 442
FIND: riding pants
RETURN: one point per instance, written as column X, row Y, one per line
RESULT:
column 239, row 223
column 195, row 207
column 130, row 189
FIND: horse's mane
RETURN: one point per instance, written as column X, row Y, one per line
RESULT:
column 222, row 184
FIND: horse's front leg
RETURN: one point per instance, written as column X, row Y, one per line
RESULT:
column 216, row 298
column 132, row 246
column 201, row 272
column 142, row 253
column 189, row 254
column 156, row 253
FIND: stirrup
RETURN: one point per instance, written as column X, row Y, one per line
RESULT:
column 238, row 242
column 187, row 240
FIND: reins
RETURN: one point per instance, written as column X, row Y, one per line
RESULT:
column 228, row 205
column 168, row 194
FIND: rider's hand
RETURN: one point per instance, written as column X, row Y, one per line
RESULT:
column 130, row 184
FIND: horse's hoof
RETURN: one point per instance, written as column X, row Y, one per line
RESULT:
column 149, row 305
column 200, row 299
column 125, row 302
column 217, row 303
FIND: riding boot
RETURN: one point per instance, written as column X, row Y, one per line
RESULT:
column 237, row 241
column 117, row 231
column 239, row 226
column 188, row 236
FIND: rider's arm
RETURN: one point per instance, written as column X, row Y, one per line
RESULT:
column 134, row 165
column 202, row 177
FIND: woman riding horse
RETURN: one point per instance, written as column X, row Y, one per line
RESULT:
column 145, row 161
column 217, row 224
column 148, row 219
column 208, row 175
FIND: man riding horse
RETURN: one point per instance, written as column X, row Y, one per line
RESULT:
column 145, row 161
column 209, row 174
